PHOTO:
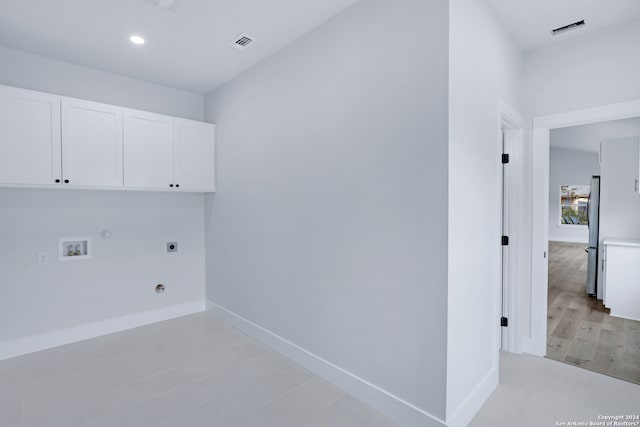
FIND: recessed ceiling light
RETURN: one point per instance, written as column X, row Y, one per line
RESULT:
column 136, row 40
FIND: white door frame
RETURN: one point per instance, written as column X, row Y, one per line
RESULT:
column 513, row 123
column 540, row 208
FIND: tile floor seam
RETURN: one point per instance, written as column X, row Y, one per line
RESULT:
column 352, row 416
column 185, row 366
column 156, row 375
column 224, row 393
column 101, row 418
column 150, row 376
column 107, row 372
column 256, row 409
column 275, row 398
column 189, row 409
column 263, row 378
column 234, row 389
column 144, row 402
column 323, row 408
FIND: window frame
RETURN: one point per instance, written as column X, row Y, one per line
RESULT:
column 560, row 206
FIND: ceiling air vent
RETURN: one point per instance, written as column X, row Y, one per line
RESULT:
column 566, row 28
column 242, row 41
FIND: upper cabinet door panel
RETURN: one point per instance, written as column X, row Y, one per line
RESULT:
column 91, row 143
column 148, row 150
column 29, row 137
column 194, row 158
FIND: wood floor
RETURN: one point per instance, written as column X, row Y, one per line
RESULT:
column 580, row 330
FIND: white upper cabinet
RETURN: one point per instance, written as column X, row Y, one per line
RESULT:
column 163, row 152
column 91, row 143
column 194, row 155
column 148, row 150
column 29, row 137
column 55, row 141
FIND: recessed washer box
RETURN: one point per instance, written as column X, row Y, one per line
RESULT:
column 74, row 248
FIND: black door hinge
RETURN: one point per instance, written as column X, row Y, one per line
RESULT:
column 504, row 322
column 505, row 158
column 505, row 240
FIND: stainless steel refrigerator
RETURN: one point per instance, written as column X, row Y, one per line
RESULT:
column 593, row 215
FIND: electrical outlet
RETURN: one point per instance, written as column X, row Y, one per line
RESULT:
column 172, row 247
column 43, row 258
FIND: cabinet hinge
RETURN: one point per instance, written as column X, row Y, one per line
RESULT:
column 504, row 322
column 505, row 158
column 505, row 240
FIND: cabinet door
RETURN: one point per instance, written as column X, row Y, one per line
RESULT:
column 91, row 143
column 29, row 137
column 194, row 155
column 623, row 275
column 148, row 150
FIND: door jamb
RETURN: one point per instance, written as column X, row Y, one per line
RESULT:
column 510, row 119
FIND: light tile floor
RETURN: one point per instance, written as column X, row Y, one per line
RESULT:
column 538, row 392
column 196, row 371
column 189, row 372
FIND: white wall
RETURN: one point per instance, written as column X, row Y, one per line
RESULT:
column 36, row 72
column 619, row 203
column 119, row 279
column 568, row 167
column 485, row 66
column 41, row 306
column 595, row 69
column 329, row 224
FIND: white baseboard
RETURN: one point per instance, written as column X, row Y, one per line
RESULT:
column 404, row 412
column 35, row 343
column 470, row 406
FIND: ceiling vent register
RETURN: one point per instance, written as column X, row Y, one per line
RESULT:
column 566, row 28
column 242, row 41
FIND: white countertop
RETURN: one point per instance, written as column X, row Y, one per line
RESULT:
column 615, row 241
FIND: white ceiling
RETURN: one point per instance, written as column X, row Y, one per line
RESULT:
column 588, row 137
column 530, row 21
column 187, row 45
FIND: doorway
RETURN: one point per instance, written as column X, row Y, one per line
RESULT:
column 581, row 330
column 567, row 324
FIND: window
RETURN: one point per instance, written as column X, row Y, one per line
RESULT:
column 574, row 202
